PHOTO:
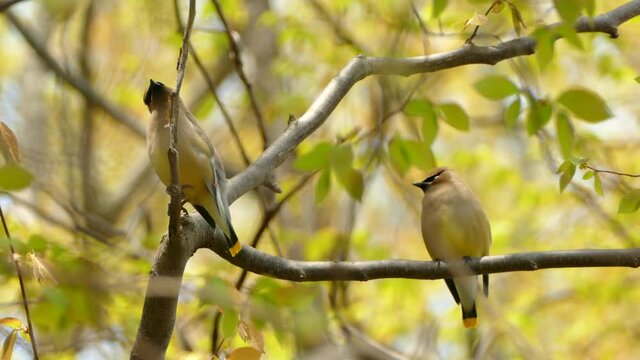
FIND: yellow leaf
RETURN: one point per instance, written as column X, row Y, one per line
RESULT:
column 11, row 322
column 498, row 5
column 516, row 17
column 476, row 20
column 250, row 334
column 245, row 353
column 8, row 345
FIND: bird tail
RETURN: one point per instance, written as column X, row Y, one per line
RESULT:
column 469, row 318
column 229, row 232
column 232, row 240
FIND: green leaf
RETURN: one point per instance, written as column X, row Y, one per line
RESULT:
column 438, row 7
column 322, row 186
column 539, row 115
column 495, row 87
column 317, row 158
column 353, row 182
column 14, row 177
column 348, row 177
column 566, row 135
column 455, row 116
column 419, row 107
column 597, row 184
column 588, row 175
column 585, row 104
column 567, row 169
column 637, row 79
column 230, row 321
column 630, row 202
column 342, row 159
column 590, row 7
column 420, row 155
column 569, row 10
column 37, row 243
column 399, row 155
column 429, row 129
column 568, row 32
column 511, row 113
column 544, row 47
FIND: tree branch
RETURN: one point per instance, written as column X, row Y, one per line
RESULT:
column 363, row 66
column 237, row 62
column 303, row 271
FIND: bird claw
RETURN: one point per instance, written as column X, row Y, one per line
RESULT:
column 174, row 190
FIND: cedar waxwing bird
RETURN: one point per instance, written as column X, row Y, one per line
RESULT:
column 454, row 227
column 200, row 170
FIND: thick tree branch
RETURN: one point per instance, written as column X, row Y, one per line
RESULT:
column 302, row 271
column 363, row 66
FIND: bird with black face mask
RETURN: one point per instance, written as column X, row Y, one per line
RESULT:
column 455, row 227
column 201, row 173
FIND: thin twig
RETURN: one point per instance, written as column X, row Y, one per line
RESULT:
column 23, row 291
column 611, row 172
column 237, row 62
column 338, row 29
column 176, row 193
column 475, row 31
column 88, row 180
column 423, row 27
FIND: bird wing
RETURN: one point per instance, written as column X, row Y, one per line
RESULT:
column 217, row 182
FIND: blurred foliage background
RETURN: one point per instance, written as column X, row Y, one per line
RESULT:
column 89, row 223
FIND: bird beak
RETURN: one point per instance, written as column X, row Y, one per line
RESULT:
column 421, row 185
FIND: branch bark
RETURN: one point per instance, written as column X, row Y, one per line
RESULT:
column 363, row 66
column 159, row 313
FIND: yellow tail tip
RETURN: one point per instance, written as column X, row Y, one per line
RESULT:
column 470, row 322
column 235, row 249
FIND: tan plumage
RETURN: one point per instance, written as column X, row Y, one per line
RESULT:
column 201, row 173
column 455, row 226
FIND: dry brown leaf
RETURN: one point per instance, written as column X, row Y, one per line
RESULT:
column 245, row 353
column 8, row 144
column 497, row 7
